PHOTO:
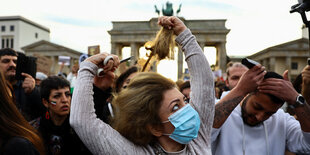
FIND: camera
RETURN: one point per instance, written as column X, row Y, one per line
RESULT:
column 302, row 6
column 249, row 63
column 25, row 64
column 309, row 61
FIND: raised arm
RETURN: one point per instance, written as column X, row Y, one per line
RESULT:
column 98, row 136
column 297, row 140
column 283, row 88
column 306, row 83
column 248, row 83
column 201, row 77
column 202, row 84
column 303, row 114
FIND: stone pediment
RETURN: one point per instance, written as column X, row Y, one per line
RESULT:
column 292, row 46
column 299, row 44
column 44, row 45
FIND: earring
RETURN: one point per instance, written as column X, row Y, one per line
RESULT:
column 47, row 115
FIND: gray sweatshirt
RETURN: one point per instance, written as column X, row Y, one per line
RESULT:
column 101, row 138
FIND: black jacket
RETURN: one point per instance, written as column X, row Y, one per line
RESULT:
column 60, row 140
column 29, row 105
column 101, row 104
column 18, row 145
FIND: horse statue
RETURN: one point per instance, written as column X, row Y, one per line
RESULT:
column 168, row 10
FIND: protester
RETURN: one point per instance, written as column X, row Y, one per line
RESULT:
column 234, row 73
column 306, row 83
column 103, row 88
column 16, row 135
column 72, row 76
column 124, row 79
column 147, row 110
column 185, row 89
column 26, row 92
column 255, row 125
column 220, row 87
column 59, row 138
column 179, row 82
column 297, row 84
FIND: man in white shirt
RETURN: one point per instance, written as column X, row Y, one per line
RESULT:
column 248, row 120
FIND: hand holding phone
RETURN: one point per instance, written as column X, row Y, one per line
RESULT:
column 25, row 64
column 249, row 63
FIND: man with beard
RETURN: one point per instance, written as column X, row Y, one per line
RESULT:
column 26, row 93
column 248, row 119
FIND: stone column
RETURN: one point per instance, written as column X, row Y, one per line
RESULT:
column 221, row 56
column 116, row 49
column 154, row 66
column 202, row 45
column 272, row 63
column 265, row 63
column 52, row 71
column 134, row 51
column 180, row 62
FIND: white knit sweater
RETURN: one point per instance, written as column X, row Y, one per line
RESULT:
column 101, row 138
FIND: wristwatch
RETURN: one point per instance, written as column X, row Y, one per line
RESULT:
column 300, row 101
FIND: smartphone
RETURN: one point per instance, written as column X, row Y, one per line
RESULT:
column 25, row 64
column 309, row 61
column 249, row 63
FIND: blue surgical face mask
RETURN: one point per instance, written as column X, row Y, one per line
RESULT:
column 186, row 122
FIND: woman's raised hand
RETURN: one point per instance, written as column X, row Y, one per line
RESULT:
column 173, row 23
column 109, row 62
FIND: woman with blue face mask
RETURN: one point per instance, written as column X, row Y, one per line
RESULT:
column 151, row 116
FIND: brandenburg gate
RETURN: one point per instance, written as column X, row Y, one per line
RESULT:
column 136, row 33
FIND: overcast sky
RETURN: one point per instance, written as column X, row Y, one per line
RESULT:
column 255, row 25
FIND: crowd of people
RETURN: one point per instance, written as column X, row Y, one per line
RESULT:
column 146, row 113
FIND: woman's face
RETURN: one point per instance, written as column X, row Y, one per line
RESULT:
column 173, row 100
column 59, row 102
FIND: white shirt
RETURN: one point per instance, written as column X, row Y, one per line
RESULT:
column 271, row 137
column 72, row 79
column 222, row 96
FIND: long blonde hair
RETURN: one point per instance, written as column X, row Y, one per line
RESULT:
column 162, row 46
column 138, row 106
